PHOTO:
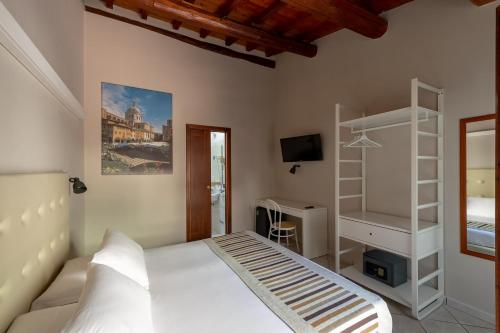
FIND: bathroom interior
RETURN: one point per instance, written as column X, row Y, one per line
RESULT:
column 218, row 188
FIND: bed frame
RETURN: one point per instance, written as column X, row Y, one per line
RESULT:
column 34, row 238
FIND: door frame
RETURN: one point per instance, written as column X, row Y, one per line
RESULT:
column 497, row 173
column 463, row 185
column 227, row 145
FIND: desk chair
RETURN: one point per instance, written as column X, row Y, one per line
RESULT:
column 277, row 225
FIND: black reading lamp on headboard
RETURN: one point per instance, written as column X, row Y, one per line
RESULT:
column 78, row 186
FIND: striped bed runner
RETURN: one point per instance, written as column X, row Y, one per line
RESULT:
column 305, row 300
column 481, row 226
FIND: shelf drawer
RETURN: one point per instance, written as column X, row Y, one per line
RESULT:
column 384, row 238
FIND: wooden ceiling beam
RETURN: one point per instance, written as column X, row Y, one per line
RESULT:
column 345, row 13
column 226, row 8
column 271, row 52
column 109, row 3
column 323, row 29
column 482, row 2
column 293, row 24
column 192, row 41
column 261, row 17
column 230, row 40
column 143, row 14
column 176, row 24
column 250, row 47
column 204, row 33
column 380, row 6
column 197, row 17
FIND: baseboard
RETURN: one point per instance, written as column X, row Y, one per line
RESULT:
column 489, row 317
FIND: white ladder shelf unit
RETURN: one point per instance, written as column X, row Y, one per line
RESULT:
column 409, row 237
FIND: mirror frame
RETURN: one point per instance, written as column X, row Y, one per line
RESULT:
column 463, row 185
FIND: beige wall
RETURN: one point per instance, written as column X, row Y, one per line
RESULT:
column 207, row 89
column 448, row 43
column 36, row 133
column 56, row 28
column 481, row 152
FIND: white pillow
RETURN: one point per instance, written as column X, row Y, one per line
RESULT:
column 48, row 320
column 111, row 303
column 67, row 286
column 123, row 255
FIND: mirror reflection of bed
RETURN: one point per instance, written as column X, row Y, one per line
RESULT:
column 479, row 186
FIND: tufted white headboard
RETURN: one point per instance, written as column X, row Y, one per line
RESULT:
column 34, row 238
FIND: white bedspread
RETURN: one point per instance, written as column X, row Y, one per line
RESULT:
column 193, row 290
column 481, row 210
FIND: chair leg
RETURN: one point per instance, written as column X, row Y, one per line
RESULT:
column 279, row 236
column 297, row 241
column 287, row 238
column 269, row 234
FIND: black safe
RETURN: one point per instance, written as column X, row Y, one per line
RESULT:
column 262, row 224
column 385, row 267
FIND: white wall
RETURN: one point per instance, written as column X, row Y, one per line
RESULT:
column 481, row 152
column 481, row 148
column 208, row 89
column 56, row 28
column 36, row 133
column 447, row 43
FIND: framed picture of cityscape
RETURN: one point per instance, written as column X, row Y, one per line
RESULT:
column 136, row 131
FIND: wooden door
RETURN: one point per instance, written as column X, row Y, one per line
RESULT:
column 199, row 214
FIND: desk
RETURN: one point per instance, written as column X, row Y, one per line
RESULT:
column 313, row 238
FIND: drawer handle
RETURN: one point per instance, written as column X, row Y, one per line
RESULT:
column 371, row 234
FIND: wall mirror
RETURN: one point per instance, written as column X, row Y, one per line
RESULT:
column 477, row 186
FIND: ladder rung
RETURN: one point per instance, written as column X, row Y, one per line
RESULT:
column 428, row 157
column 350, row 161
column 429, row 277
column 428, row 254
column 350, row 196
column 430, row 300
column 351, row 178
column 433, row 135
column 429, row 205
column 428, row 181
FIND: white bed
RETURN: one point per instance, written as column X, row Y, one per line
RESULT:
column 182, row 288
column 481, row 222
column 193, row 290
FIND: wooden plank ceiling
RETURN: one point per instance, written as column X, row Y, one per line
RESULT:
column 270, row 26
column 482, row 2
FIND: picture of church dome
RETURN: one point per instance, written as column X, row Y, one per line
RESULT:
column 136, row 131
column 134, row 114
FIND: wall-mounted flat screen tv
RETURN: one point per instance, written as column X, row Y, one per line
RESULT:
column 302, row 148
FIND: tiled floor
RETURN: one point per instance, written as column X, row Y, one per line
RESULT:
column 217, row 225
column 446, row 319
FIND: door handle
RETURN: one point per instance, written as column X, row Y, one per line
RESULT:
column 209, row 187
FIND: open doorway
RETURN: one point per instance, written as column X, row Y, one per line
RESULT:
column 208, row 167
column 218, row 188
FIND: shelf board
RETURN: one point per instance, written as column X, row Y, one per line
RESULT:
column 400, row 294
column 386, row 221
column 400, row 116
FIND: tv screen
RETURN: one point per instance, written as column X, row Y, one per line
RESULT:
column 302, row 148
